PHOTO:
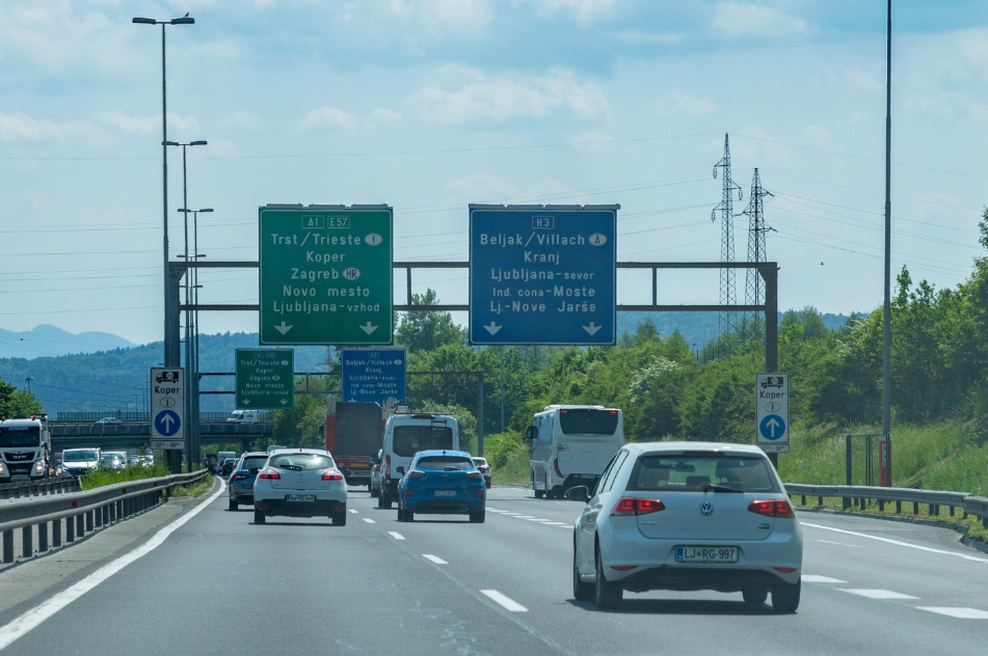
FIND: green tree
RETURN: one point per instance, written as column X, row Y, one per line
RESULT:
column 15, row 402
column 426, row 331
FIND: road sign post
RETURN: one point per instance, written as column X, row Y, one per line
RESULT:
column 542, row 274
column 772, row 412
column 265, row 379
column 325, row 274
column 374, row 376
column 168, row 408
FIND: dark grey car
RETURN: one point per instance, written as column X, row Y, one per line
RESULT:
column 241, row 488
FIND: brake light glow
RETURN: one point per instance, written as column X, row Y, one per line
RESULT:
column 332, row 475
column 629, row 506
column 240, row 477
column 555, row 464
column 268, row 473
column 772, row 508
column 416, row 473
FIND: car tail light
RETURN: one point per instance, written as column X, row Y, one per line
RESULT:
column 555, row 465
column 416, row 473
column 785, row 570
column 269, row 473
column 409, row 493
column 475, row 475
column 332, row 475
column 623, row 568
column 241, row 477
column 772, row 508
column 634, row 506
column 387, row 466
column 480, row 494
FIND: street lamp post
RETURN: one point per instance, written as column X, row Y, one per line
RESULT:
column 171, row 353
column 192, row 332
column 28, row 380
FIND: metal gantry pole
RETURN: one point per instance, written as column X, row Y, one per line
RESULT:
column 886, row 455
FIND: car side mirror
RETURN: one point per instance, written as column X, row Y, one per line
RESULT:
column 532, row 433
column 578, row 493
column 400, row 470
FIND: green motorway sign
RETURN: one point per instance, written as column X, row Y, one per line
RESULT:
column 326, row 274
column 265, row 379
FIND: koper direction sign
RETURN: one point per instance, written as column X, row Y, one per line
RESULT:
column 325, row 274
column 167, row 408
column 374, row 376
column 772, row 412
column 542, row 274
column 265, row 379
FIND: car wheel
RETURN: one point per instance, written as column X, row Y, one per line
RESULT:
column 754, row 594
column 384, row 501
column 581, row 591
column 488, row 484
column 785, row 597
column 258, row 517
column 539, row 493
column 477, row 517
column 375, row 493
column 607, row 594
column 234, row 505
column 409, row 516
column 339, row 520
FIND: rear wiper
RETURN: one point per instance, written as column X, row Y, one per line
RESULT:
column 292, row 467
column 713, row 487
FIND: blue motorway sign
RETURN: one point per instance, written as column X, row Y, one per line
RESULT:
column 772, row 427
column 542, row 274
column 374, row 376
column 167, row 422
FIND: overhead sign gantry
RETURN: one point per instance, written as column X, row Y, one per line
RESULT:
column 542, row 274
column 325, row 274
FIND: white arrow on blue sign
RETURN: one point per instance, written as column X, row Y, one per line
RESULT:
column 772, row 427
column 167, row 422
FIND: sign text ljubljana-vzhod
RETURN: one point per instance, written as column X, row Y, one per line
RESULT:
column 325, row 274
column 542, row 274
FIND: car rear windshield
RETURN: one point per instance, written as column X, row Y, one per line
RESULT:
column 20, row 436
column 698, row 473
column 301, row 461
column 78, row 456
column 410, row 439
column 444, row 463
column 254, row 463
column 588, row 422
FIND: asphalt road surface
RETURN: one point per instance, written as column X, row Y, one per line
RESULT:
column 440, row 585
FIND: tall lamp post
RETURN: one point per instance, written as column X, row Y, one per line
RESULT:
column 192, row 332
column 171, row 353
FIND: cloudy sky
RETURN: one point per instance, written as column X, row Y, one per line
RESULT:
column 429, row 105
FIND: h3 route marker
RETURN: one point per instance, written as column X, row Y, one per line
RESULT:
column 325, row 274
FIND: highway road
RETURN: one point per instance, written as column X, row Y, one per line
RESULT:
column 219, row 584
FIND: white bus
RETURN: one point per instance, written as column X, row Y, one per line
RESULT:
column 571, row 445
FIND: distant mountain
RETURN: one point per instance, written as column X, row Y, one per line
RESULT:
column 50, row 341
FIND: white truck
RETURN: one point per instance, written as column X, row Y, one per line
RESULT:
column 25, row 448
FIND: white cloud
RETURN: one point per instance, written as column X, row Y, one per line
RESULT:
column 328, row 116
column 241, row 120
column 734, row 20
column 149, row 124
column 18, row 127
column 634, row 36
column 384, row 117
column 436, row 17
column 583, row 12
column 940, row 74
column 477, row 96
column 678, row 102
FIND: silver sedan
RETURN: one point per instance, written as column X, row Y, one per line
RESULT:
column 688, row 516
column 300, row 483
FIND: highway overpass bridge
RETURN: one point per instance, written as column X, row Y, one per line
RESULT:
column 137, row 433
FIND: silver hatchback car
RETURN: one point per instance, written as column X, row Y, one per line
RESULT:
column 300, row 483
column 688, row 516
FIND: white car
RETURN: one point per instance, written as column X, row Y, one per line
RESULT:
column 485, row 470
column 300, row 483
column 688, row 516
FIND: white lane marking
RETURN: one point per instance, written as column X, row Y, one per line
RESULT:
column 368, row 520
column 898, row 543
column 32, row 618
column 524, row 516
column 842, row 544
column 568, row 527
column 436, row 559
column 538, row 519
column 559, row 524
column 506, row 602
column 816, row 578
column 353, row 511
column 396, row 536
column 959, row 613
column 879, row 594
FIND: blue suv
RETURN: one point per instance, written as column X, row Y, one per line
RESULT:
column 443, row 483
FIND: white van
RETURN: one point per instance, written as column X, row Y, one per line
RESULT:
column 406, row 434
column 245, row 416
column 571, row 445
column 79, row 462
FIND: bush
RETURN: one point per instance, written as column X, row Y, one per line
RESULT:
column 498, row 447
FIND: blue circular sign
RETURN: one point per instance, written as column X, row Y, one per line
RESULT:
column 772, row 427
column 167, row 422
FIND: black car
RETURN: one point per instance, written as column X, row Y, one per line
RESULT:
column 227, row 467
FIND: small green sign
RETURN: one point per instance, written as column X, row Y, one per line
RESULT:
column 265, row 379
column 326, row 274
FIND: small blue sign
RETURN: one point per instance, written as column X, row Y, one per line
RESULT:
column 374, row 376
column 543, row 274
column 772, row 427
column 167, row 422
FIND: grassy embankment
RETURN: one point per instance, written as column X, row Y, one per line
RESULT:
column 104, row 477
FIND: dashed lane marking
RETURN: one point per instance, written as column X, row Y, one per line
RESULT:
column 879, row 594
column 436, row 559
column 353, row 511
column 816, row 578
column 843, row 544
column 369, row 520
column 507, row 602
column 959, row 613
column 396, row 535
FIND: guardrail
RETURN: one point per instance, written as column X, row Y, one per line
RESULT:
column 969, row 504
column 34, row 488
column 81, row 512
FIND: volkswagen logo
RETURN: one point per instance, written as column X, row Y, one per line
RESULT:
column 706, row 509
